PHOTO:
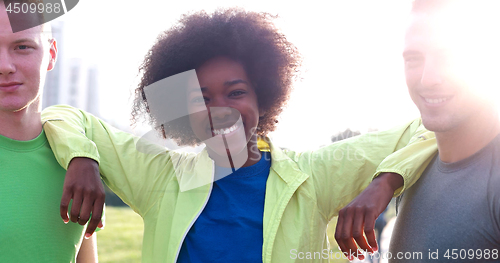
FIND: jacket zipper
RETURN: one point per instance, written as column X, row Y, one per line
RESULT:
column 199, row 213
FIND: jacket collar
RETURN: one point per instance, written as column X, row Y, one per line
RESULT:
column 286, row 168
column 195, row 170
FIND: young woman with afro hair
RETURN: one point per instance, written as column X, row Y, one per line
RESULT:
column 242, row 198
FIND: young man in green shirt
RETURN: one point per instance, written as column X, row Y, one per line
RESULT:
column 31, row 180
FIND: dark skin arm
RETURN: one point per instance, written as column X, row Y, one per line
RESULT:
column 359, row 216
column 83, row 185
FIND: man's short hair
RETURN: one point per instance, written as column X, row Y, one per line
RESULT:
column 24, row 20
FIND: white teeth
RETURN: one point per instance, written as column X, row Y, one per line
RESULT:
column 434, row 101
column 225, row 131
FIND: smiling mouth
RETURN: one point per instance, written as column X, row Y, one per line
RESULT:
column 435, row 101
column 225, row 131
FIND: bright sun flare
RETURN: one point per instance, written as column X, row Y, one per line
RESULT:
column 470, row 35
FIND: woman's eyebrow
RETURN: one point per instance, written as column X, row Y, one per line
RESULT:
column 228, row 83
column 234, row 82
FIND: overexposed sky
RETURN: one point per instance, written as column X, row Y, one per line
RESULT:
column 353, row 68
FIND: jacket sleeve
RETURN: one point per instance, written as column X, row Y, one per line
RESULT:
column 138, row 177
column 342, row 170
column 411, row 161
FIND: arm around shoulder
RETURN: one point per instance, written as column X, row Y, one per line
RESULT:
column 343, row 169
column 135, row 176
column 411, row 161
column 66, row 130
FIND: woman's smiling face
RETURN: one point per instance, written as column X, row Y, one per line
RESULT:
column 233, row 112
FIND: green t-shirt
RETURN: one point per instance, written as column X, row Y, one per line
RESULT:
column 31, row 184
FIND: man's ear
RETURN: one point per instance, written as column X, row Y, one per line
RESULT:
column 53, row 54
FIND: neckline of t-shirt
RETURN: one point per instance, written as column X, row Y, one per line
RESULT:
column 23, row 146
column 453, row 167
column 257, row 168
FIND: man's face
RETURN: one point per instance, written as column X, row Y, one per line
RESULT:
column 435, row 75
column 25, row 58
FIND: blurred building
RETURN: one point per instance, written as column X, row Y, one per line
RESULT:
column 73, row 81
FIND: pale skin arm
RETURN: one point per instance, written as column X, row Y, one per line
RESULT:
column 88, row 251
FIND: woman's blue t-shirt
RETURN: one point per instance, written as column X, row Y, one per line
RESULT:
column 230, row 227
